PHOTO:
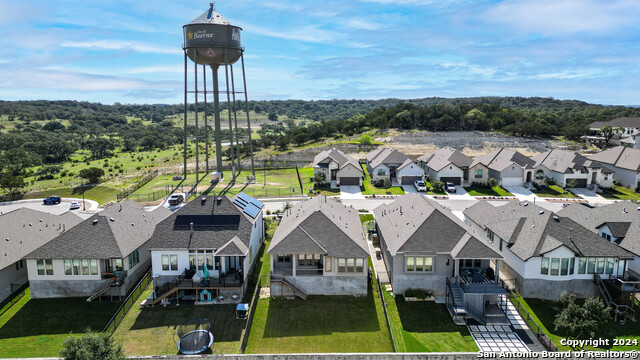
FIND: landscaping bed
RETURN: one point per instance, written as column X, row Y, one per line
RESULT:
column 487, row 191
column 554, row 191
column 620, row 193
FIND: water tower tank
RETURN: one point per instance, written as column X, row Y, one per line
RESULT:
column 208, row 36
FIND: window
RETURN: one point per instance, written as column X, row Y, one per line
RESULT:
column 76, row 267
column 600, row 268
column 350, row 265
column 165, row 262
column 192, row 259
column 411, row 264
column 94, row 267
column 45, row 267
column 490, row 236
column 609, row 268
column 555, row 264
column 419, row 264
column 478, row 174
column 198, row 258
column 342, row 265
column 308, row 259
column 571, row 265
column 201, row 259
column 67, row 267
column 606, row 176
column 359, row 265
column 544, row 267
column 19, row 264
column 174, row 262
column 564, row 267
column 327, row 263
column 591, row 266
column 134, row 259
column 118, row 264
column 582, row 265
column 539, row 175
column 85, row 267
column 48, row 263
column 382, row 172
column 40, row 266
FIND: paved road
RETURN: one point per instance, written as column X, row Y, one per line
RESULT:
column 58, row 209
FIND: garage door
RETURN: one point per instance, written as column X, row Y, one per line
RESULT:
column 349, row 181
column 512, row 181
column 454, row 180
column 582, row 183
column 408, row 180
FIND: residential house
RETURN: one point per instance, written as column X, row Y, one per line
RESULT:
column 563, row 166
column 624, row 161
column 545, row 254
column 319, row 248
column 392, row 165
column 628, row 126
column 338, row 168
column 104, row 255
column 632, row 141
column 425, row 246
column 218, row 235
column 509, row 167
column 447, row 164
column 22, row 231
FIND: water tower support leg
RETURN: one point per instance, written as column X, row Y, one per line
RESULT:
column 195, row 74
column 185, row 116
column 235, row 119
column 216, row 118
column 246, row 107
column 226, row 72
column 206, row 125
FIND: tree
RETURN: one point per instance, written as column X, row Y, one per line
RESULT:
column 437, row 185
column 91, row 346
column 365, row 139
column 492, row 182
column 11, row 183
column 283, row 143
column 572, row 183
column 581, row 322
column 607, row 132
column 273, row 116
column 319, row 178
column 92, row 174
column 101, row 147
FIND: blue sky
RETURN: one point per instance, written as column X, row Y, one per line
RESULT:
column 130, row 51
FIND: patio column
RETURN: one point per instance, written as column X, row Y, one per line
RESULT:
column 273, row 262
column 498, row 270
column 456, row 268
column 294, row 260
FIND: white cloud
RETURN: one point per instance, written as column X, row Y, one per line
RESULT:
column 121, row 45
column 155, row 69
column 363, row 24
column 307, row 33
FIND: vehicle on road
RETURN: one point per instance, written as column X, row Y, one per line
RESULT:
column 450, row 187
column 74, row 205
column 175, row 199
column 420, row 185
column 52, row 200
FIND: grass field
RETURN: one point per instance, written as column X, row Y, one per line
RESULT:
column 37, row 328
column 621, row 193
column 283, row 182
column 424, row 326
column 487, row 191
column 100, row 193
column 553, row 191
column 366, row 217
column 544, row 313
column 369, row 189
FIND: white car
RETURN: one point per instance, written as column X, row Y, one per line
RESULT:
column 420, row 185
column 74, row 205
column 450, row 187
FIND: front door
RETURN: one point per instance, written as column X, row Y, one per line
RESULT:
column 392, row 171
column 333, row 174
column 528, row 176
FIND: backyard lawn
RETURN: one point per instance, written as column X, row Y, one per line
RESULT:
column 620, row 193
column 369, row 189
column 424, row 326
column 487, row 191
column 37, row 328
column 269, row 183
column 544, row 313
column 553, row 191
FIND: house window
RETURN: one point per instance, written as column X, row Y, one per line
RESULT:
column 192, row 259
column 165, row 262
column 419, row 264
column 19, row 264
column 606, row 176
column 134, row 259
column 308, row 259
column 382, row 172
column 471, row 263
column 539, row 175
column 359, row 265
column 85, row 266
column 609, row 268
column 555, row 265
column 544, row 266
column 582, row 265
column 571, row 265
column 564, row 267
column 342, row 265
column 284, row 258
column 350, row 265
column 76, row 267
column 68, row 269
column 591, row 266
column 490, row 237
column 174, row 262
column 94, row 266
column 327, row 263
column 44, row 266
column 478, row 174
column 600, row 268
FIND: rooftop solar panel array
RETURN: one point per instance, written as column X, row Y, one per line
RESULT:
column 249, row 205
column 201, row 221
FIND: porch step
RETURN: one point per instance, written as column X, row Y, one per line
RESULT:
column 285, row 281
column 100, row 290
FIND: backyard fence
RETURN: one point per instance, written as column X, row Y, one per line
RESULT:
column 252, row 310
column 531, row 323
column 13, row 298
column 140, row 183
column 386, row 315
column 128, row 303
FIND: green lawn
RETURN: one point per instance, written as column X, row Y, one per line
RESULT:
column 487, row 191
column 369, row 189
column 160, row 186
column 431, row 191
column 306, row 175
column 37, row 328
column 553, row 191
column 424, row 326
column 366, row 217
column 544, row 313
column 620, row 193
column 270, row 183
column 100, row 193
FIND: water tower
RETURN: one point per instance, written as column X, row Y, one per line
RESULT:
column 211, row 41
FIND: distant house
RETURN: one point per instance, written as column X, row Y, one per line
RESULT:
column 509, row 167
column 564, row 166
column 624, row 161
column 447, row 164
column 104, row 255
column 545, row 254
column 338, row 168
column 22, row 231
column 425, row 246
column 632, row 141
column 629, row 125
column 392, row 165
column 220, row 234
column 319, row 248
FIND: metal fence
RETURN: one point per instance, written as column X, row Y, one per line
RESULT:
column 140, row 183
column 128, row 303
column 531, row 323
column 386, row 315
column 13, row 298
column 252, row 310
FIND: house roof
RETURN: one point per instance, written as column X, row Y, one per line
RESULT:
column 24, row 230
column 564, row 161
column 622, row 218
column 218, row 224
column 440, row 158
column 405, row 164
column 627, row 122
column 320, row 226
column 416, row 224
column 339, row 157
column 112, row 233
column 387, row 156
column 500, row 159
column 620, row 156
column 539, row 231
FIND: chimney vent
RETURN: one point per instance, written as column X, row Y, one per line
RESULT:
column 95, row 221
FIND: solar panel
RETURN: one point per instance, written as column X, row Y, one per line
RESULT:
column 244, row 197
column 251, row 211
column 257, row 203
column 240, row 202
column 200, row 221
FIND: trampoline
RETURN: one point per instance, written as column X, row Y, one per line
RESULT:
column 194, row 336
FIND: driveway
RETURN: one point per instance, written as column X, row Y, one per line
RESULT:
column 521, row 193
column 410, row 189
column 589, row 195
column 460, row 194
column 350, row 192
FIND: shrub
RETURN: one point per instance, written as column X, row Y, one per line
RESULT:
column 581, row 322
column 438, row 186
column 91, row 346
column 549, row 181
column 572, row 183
column 417, row 293
column 492, row 182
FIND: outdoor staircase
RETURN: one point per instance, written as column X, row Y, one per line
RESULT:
column 101, row 290
column 458, row 308
column 171, row 290
column 623, row 311
column 287, row 282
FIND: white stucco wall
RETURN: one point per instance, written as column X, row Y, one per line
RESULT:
column 10, row 275
column 627, row 178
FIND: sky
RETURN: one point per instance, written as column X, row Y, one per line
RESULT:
column 131, row 51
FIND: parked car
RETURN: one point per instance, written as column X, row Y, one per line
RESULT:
column 74, row 205
column 450, row 187
column 52, row 200
column 420, row 185
column 175, row 199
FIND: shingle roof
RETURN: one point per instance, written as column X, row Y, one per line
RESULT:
column 620, row 156
column 24, row 230
column 112, row 233
column 630, row 122
column 416, row 224
column 442, row 157
column 170, row 234
column 564, row 161
column 405, row 164
column 500, row 159
column 339, row 157
column 386, row 156
column 539, row 231
column 320, row 226
column 619, row 212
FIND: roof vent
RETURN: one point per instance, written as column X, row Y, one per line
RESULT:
column 203, row 200
column 541, row 212
column 624, row 210
column 40, row 220
column 534, row 225
column 526, row 204
column 132, row 224
column 95, row 221
column 30, row 224
column 556, row 218
column 7, row 239
column 112, row 219
column 120, row 207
